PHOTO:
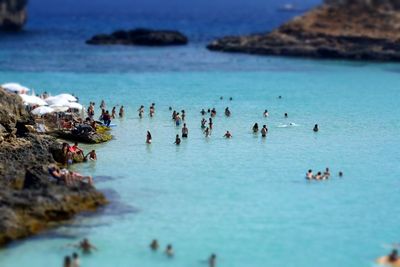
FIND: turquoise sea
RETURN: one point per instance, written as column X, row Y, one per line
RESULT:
column 244, row 199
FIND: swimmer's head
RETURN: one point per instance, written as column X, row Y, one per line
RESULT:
column 310, row 171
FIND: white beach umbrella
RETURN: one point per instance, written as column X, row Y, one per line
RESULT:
column 32, row 100
column 15, row 88
column 68, row 97
column 74, row 105
column 59, row 108
column 42, row 110
column 57, row 101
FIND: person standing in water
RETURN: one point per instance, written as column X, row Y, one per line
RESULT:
column 152, row 110
column 266, row 114
column 121, row 111
column 255, row 128
column 203, row 112
column 177, row 140
column 227, row 112
column 210, row 123
column 183, row 115
column 103, row 104
column 148, row 138
column 177, row 119
column 113, row 112
column 174, row 115
column 141, row 111
column 203, row 123
column 264, row 131
column 286, row 116
column 316, row 128
column 213, row 112
column 212, row 261
column 107, row 118
column 154, row 245
column 75, row 260
column 207, row 132
column 67, row 261
column 169, row 251
column 185, row 131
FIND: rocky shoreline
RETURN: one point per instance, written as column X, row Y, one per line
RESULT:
column 140, row 36
column 346, row 29
column 30, row 199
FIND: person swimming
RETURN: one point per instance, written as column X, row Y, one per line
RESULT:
column 231, row 98
column 148, row 138
column 227, row 112
column 392, row 259
column 169, row 251
column 327, row 173
column 203, row 112
column 316, row 128
column 177, row 140
column 286, row 115
column 212, row 261
column 264, row 131
column 185, row 131
column 170, row 108
column 265, row 114
column 255, row 128
column 309, row 175
column 154, row 245
column 228, row 135
column 340, row 174
column 318, row 176
column 221, row 97
column 91, row 155
column 86, row 246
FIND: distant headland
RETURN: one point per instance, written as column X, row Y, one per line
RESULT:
column 348, row 29
column 13, row 14
column 140, row 36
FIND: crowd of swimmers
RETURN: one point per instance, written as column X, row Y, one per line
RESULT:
column 169, row 252
column 321, row 175
column 86, row 248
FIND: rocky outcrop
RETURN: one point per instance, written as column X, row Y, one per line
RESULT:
column 349, row 29
column 30, row 200
column 140, row 37
column 13, row 14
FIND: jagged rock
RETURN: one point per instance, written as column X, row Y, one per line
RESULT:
column 30, row 200
column 140, row 37
column 352, row 29
column 13, row 14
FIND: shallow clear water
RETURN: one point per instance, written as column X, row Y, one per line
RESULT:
column 245, row 199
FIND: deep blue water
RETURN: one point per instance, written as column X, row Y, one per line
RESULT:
column 54, row 38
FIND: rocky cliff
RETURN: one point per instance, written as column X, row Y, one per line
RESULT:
column 30, row 200
column 350, row 29
column 12, row 14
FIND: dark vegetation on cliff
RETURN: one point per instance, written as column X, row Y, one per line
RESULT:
column 349, row 29
column 30, row 200
column 140, row 37
column 13, row 14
